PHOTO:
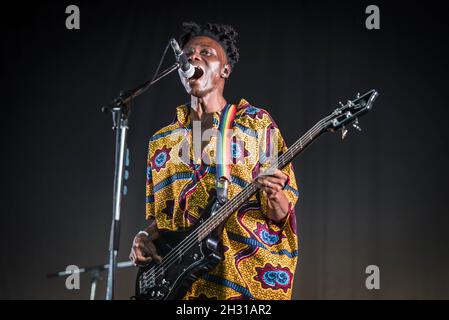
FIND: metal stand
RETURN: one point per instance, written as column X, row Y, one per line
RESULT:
column 120, row 109
column 94, row 277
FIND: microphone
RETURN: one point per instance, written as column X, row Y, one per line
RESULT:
column 186, row 69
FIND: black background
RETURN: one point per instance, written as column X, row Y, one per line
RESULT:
column 379, row 197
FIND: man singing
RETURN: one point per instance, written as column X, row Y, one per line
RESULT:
column 259, row 240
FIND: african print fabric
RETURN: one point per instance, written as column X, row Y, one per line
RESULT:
column 260, row 255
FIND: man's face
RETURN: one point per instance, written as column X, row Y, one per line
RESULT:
column 208, row 55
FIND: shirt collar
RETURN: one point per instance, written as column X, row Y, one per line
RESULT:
column 183, row 114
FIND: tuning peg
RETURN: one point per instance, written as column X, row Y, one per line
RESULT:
column 344, row 131
column 358, row 95
column 341, row 104
column 356, row 125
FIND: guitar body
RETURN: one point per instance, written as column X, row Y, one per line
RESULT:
column 174, row 279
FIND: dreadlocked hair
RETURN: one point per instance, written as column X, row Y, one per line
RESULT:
column 225, row 35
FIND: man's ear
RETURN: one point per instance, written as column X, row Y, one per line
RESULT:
column 226, row 71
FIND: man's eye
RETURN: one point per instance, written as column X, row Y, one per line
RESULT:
column 206, row 52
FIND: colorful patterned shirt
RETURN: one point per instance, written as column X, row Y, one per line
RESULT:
column 260, row 255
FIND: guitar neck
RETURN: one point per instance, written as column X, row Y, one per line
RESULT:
column 283, row 160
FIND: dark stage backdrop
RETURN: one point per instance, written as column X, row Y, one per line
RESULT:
column 377, row 198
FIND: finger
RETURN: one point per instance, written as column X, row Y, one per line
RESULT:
column 279, row 174
column 137, row 252
column 157, row 258
column 153, row 251
column 273, row 196
column 268, row 192
column 141, row 260
column 132, row 257
column 132, row 254
column 274, row 183
column 148, row 249
column 144, row 249
column 263, row 186
column 269, row 188
column 283, row 178
column 141, row 263
column 268, row 181
column 260, row 182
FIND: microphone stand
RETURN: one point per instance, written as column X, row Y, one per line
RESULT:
column 120, row 109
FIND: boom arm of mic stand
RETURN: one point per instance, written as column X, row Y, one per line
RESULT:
column 100, row 267
column 120, row 109
column 126, row 96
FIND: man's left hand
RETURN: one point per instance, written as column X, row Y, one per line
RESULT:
column 272, row 184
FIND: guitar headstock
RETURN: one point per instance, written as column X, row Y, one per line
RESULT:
column 349, row 113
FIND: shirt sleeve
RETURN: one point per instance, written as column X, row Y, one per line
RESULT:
column 271, row 147
column 149, row 199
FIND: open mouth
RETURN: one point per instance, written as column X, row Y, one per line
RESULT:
column 198, row 73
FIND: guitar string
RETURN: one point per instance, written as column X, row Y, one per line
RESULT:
column 218, row 218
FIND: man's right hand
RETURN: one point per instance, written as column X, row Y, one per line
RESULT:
column 143, row 251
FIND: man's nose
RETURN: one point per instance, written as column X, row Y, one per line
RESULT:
column 194, row 56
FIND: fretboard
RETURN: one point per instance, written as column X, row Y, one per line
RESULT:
column 235, row 203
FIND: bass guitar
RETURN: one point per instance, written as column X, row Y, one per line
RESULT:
column 189, row 253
